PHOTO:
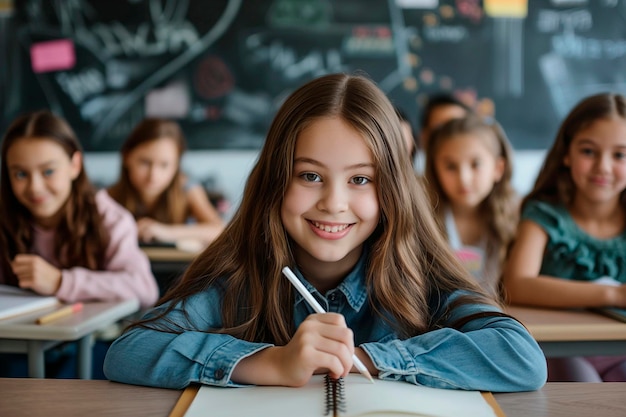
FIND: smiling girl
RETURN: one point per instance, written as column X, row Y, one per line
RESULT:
column 468, row 171
column 152, row 186
column 334, row 197
column 59, row 236
column 571, row 240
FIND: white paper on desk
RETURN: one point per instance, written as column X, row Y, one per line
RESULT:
column 383, row 398
column 607, row 281
column 14, row 301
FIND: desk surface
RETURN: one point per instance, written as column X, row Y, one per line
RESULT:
column 94, row 316
column 162, row 254
column 69, row 397
column 548, row 325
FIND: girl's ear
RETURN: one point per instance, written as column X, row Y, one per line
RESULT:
column 499, row 169
column 566, row 160
column 76, row 165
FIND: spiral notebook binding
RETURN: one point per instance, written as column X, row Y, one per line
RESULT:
column 340, row 395
column 335, row 396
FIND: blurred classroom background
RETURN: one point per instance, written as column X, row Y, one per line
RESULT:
column 221, row 68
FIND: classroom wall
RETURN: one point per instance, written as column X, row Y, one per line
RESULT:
column 230, row 169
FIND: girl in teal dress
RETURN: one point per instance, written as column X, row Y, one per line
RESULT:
column 570, row 249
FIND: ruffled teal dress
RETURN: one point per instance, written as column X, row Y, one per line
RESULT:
column 573, row 254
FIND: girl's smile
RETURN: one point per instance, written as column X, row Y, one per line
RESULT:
column 330, row 231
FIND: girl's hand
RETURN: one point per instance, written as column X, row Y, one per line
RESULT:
column 322, row 343
column 34, row 272
column 618, row 296
column 150, row 229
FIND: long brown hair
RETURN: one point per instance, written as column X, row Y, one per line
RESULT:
column 171, row 207
column 408, row 258
column 82, row 239
column 501, row 206
column 554, row 182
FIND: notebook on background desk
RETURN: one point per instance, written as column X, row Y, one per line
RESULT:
column 15, row 301
column 184, row 245
column 613, row 312
column 361, row 398
column 157, row 244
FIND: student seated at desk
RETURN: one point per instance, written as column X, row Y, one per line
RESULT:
column 333, row 196
column 440, row 108
column 58, row 235
column 469, row 166
column 153, row 188
column 571, row 240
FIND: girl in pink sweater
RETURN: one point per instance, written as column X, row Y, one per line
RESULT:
column 58, row 235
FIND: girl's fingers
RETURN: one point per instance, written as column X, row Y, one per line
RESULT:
column 340, row 357
column 327, row 345
column 333, row 365
column 334, row 319
column 25, row 282
column 21, row 268
column 329, row 328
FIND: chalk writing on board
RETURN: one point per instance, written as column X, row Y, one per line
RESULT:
column 223, row 67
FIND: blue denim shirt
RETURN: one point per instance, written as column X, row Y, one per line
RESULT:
column 489, row 353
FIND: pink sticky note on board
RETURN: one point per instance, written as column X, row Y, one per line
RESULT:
column 54, row 55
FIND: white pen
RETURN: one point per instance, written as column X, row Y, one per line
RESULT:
column 319, row 309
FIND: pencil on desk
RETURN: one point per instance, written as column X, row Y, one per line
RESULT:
column 319, row 309
column 60, row 313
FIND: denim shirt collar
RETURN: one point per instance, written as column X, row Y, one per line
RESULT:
column 352, row 287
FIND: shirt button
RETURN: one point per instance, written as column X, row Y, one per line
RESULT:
column 332, row 297
column 219, row 374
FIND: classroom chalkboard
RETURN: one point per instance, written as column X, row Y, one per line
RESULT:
column 222, row 67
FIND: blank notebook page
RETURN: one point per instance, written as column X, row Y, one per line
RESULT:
column 14, row 301
column 383, row 398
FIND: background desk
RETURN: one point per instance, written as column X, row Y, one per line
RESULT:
column 20, row 334
column 68, row 397
column 572, row 332
column 167, row 264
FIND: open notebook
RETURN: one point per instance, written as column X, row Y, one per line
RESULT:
column 613, row 312
column 361, row 398
column 14, row 301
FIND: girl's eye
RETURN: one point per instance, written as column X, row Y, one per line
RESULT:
column 48, row 172
column 19, row 175
column 620, row 155
column 360, row 180
column 476, row 164
column 587, row 151
column 310, row 177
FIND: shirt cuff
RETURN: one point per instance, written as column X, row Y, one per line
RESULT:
column 392, row 359
column 221, row 363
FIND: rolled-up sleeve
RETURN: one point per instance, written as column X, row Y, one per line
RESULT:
column 174, row 360
column 488, row 353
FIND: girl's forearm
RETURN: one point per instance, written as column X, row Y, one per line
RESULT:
column 258, row 369
column 545, row 291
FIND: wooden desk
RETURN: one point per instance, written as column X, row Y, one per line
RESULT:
column 563, row 333
column 161, row 254
column 167, row 264
column 20, row 334
column 71, row 397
